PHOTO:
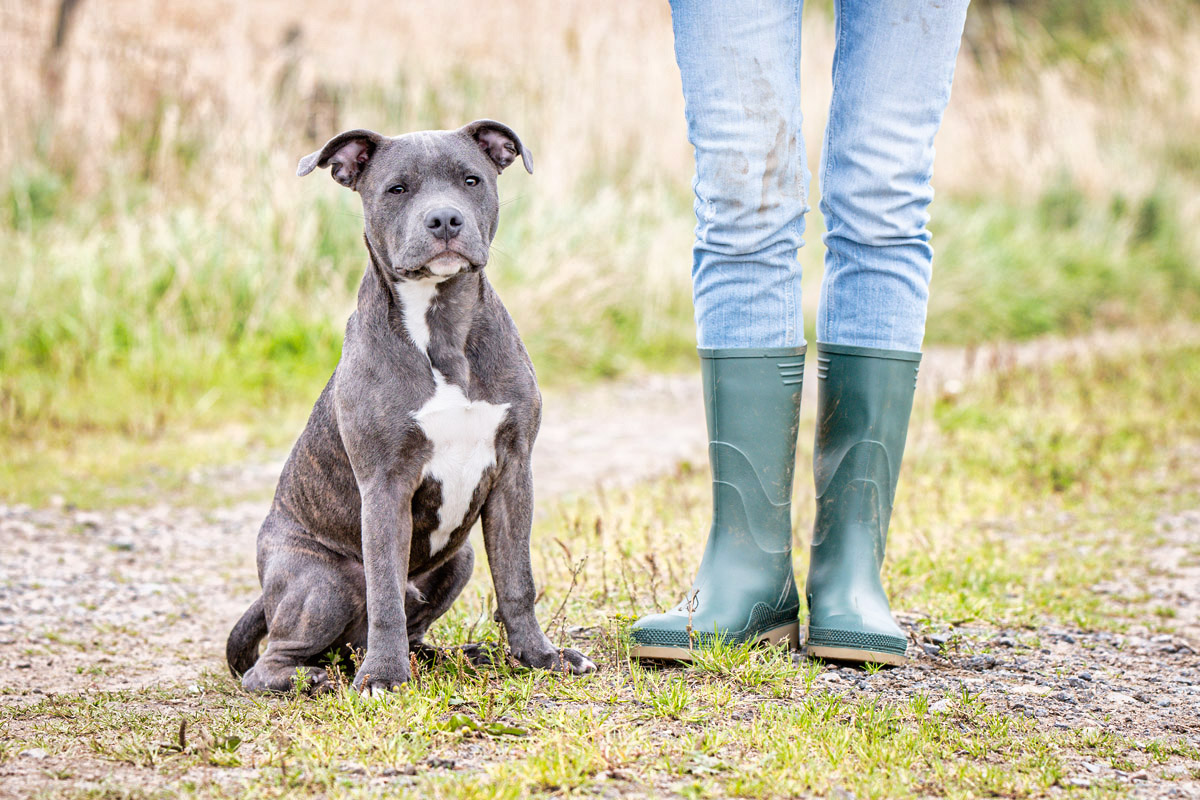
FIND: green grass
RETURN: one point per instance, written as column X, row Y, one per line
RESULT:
column 207, row 318
column 588, row 735
column 1017, row 496
column 1063, row 264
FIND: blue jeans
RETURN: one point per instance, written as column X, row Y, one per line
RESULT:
column 892, row 70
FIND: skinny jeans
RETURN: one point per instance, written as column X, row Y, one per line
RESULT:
column 892, row 71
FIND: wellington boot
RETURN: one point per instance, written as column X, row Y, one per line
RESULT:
column 864, row 400
column 745, row 589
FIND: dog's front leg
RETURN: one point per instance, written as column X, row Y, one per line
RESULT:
column 507, row 519
column 386, row 536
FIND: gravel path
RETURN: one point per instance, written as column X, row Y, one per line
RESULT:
column 129, row 600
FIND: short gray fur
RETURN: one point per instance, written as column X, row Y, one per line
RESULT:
column 344, row 553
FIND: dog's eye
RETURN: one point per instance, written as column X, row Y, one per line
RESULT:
column 397, row 189
column 472, row 180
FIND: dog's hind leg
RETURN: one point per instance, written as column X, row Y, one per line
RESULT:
column 313, row 604
column 431, row 595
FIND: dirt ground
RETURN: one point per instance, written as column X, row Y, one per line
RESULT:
column 130, row 600
column 136, row 598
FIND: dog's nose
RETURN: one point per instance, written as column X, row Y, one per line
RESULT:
column 444, row 223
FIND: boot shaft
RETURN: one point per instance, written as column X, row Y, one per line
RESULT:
column 752, row 408
column 864, row 401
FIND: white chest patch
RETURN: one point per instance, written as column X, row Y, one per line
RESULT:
column 463, row 434
column 462, row 431
column 416, row 297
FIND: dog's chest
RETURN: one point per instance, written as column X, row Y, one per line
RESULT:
column 461, row 431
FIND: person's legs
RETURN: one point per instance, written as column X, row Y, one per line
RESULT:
column 891, row 82
column 740, row 64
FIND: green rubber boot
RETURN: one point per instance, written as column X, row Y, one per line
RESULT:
column 745, row 589
column 864, row 400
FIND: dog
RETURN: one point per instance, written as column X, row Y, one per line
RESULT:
column 426, row 426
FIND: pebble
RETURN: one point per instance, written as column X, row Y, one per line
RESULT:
column 35, row 753
column 980, row 662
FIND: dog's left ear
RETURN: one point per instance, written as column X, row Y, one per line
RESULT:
column 499, row 143
column 345, row 154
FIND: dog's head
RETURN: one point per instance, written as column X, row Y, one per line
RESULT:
column 429, row 197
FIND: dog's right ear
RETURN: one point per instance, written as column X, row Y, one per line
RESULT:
column 345, row 154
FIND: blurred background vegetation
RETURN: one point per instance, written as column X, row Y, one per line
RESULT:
column 167, row 281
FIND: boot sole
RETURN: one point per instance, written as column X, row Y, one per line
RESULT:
column 785, row 633
column 833, row 653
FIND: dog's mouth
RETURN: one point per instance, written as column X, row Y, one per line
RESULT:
column 446, row 264
column 441, row 266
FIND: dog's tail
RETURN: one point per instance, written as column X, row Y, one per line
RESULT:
column 241, row 651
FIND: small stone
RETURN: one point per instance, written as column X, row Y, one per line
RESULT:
column 1085, row 676
column 1064, row 697
column 1164, row 702
column 36, row 753
column 940, row 639
column 1140, row 775
column 980, row 663
column 1141, row 697
column 931, row 649
column 941, row 706
column 440, row 763
column 391, row 772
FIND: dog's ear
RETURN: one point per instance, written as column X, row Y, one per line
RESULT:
column 345, row 154
column 499, row 143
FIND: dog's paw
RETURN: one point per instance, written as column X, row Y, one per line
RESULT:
column 483, row 654
column 575, row 662
column 261, row 678
column 374, row 679
column 564, row 659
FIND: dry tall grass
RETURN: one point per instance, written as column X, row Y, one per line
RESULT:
column 586, row 83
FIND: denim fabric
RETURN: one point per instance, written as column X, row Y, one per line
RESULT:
column 892, row 70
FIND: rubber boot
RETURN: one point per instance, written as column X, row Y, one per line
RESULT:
column 864, row 399
column 745, row 589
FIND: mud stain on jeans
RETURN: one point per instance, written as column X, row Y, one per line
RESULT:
column 780, row 178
